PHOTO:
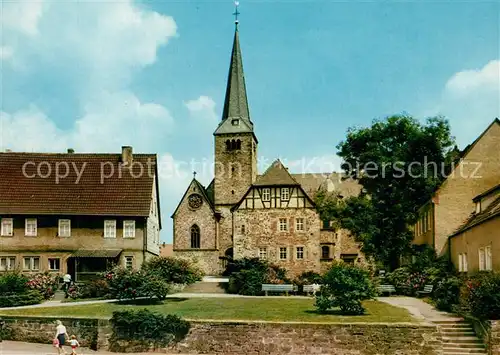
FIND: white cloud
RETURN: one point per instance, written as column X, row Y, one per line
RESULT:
column 202, row 108
column 467, row 81
column 6, row 52
column 21, row 16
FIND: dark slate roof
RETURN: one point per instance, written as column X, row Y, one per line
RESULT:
column 276, row 174
column 125, row 194
column 492, row 211
column 210, row 192
column 235, row 102
column 333, row 182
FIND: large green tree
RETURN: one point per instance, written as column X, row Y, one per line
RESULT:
column 399, row 161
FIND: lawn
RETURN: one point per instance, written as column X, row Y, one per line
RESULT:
column 266, row 309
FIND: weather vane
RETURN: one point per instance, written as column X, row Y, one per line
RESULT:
column 236, row 12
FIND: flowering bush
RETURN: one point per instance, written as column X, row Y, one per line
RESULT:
column 447, row 292
column 173, row 270
column 45, row 283
column 14, row 290
column 125, row 283
column 480, row 295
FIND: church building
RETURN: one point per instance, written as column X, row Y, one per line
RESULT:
column 242, row 213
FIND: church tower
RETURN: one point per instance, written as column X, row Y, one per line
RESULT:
column 235, row 141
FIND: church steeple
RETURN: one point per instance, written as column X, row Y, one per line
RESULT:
column 235, row 115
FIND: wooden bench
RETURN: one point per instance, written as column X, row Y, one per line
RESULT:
column 426, row 291
column 278, row 288
column 311, row 289
column 386, row 289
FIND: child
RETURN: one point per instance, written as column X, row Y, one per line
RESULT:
column 74, row 344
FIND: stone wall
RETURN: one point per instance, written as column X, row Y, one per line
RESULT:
column 207, row 260
column 495, row 337
column 296, row 338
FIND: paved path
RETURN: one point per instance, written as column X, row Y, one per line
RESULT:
column 419, row 309
column 20, row 348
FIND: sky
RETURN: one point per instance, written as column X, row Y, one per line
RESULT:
column 98, row 75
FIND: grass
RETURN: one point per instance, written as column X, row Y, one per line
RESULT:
column 264, row 309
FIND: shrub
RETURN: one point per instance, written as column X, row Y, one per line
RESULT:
column 173, row 270
column 45, row 283
column 146, row 330
column 13, row 282
column 245, row 264
column 154, row 286
column 25, row 298
column 308, row 278
column 446, row 294
column 125, row 283
column 345, row 286
column 480, row 295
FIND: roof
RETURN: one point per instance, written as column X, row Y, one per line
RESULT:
column 235, row 102
column 166, row 249
column 91, row 185
column 97, row 253
column 313, row 182
column 210, row 192
column 493, row 210
column 202, row 191
column 486, row 193
column 276, row 174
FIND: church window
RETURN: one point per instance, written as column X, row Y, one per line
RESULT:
column 195, row 237
column 235, row 122
column 300, row 252
column 228, row 145
column 283, row 253
column 242, row 229
column 238, row 144
column 285, row 193
column 262, row 253
column 283, row 225
column 299, row 225
column 325, row 252
column 266, row 194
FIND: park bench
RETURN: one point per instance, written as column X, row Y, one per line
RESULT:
column 278, row 288
column 386, row 289
column 311, row 289
column 426, row 291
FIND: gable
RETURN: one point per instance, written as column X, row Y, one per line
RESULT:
column 267, row 197
column 194, row 189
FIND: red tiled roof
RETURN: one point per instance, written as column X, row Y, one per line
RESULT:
column 97, row 191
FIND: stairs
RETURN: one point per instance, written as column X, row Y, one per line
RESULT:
column 459, row 338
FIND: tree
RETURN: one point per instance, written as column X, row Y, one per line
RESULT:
column 399, row 162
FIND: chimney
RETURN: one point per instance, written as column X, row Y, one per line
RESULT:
column 71, row 150
column 127, row 155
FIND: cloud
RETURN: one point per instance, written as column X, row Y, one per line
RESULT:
column 202, row 108
column 467, row 81
column 6, row 52
column 21, row 16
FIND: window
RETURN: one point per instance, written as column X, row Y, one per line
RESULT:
column 283, row 224
column 487, row 256
column 481, row 259
column 325, row 252
column 64, row 228
column 7, row 263
column 128, row 229
column 235, row 122
column 30, row 227
column 110, row 229
column 262, row 253
column 242, row 229
column 54, row 264
column 266, row 194
column 478, row 207
column 462, row 262
column 195, row 237
column 31, row 263
column 283, row 253
column 129, row 262
column 7, row 227
column 300, row 252
column 285, row 193
column 299, row 224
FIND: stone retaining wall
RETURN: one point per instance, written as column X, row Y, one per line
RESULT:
column 221, row 337
column 495, row 337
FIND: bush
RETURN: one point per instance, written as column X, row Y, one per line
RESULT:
column 245, row 264
column 480, row 296
column 345, row 286
column 146, row 330
column 25, row 298
column 154, row 286
column 13, row 282
column 446, row 294
column 247, row 282
column 45, row 283
column 308, row 278
column 173, row 270
column 125, row 283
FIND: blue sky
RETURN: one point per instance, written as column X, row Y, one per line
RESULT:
column 98, row 75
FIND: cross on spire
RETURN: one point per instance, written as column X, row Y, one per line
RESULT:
column 236, row 12
column 194, row 174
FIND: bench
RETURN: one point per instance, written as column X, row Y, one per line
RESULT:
column 426, row 291
column 278, row 288
column 311, row 289
column 386, row 289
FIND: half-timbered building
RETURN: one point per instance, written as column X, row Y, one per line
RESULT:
column 243, row 214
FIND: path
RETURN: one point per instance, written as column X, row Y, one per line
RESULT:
column 20, row 348
column 419, row 309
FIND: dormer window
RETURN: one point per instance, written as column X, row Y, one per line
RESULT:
column 478, row 207
column 235, row 122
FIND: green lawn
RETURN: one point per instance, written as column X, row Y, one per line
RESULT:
column 267, row 309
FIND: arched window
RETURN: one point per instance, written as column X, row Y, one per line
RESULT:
column 325, row 252
column 195, row 237
column 228, row 145
column 238, row 144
